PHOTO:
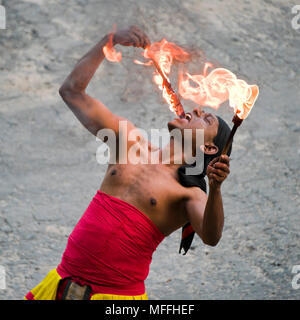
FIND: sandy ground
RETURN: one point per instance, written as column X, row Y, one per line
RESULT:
column 49, row 171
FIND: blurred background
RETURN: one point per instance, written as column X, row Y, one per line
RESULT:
column 48, row 167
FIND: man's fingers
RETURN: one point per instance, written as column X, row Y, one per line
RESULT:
column 132, row 37
column 143, row 39
column 219, row 172
column 216, row 177
column 213, row 161
column 136, row 32
column 136, row 40
column 135, row 28
column 218, row 168
column 224, row 158
column 147, row 42
column 222, row 166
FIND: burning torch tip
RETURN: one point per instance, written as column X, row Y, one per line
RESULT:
column 237, row 120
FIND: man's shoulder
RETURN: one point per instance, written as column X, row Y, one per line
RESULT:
column 195, row 193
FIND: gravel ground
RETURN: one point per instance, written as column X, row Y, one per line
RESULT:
column 49, row 171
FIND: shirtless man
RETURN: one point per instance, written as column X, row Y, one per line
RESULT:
column 149, row 201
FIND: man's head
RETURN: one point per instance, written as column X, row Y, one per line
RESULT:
column 216, row 131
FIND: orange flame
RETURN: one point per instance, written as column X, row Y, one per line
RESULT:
column 247, row 106
column 215, row 88
column 207, row 89
column 110, row 52
column 164, row 54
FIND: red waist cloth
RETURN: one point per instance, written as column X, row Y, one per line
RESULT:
column 111, row 247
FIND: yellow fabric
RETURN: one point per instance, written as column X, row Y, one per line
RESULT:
column 100, row 296
column 47, row 289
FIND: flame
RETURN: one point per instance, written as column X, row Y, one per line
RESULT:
column 218, row 86
column 163, row 54
column 147, row 64
column 110, row 52
column 247, row 106
column 209, row 89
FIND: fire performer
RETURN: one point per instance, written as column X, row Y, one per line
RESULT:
column 110, row 250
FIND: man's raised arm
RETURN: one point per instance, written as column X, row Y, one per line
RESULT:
column 207, row 218
column 89, row 111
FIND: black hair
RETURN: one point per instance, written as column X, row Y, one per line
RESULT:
column 219, row 140
column 222, row 136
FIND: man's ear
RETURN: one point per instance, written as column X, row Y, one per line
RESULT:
column 209, row 148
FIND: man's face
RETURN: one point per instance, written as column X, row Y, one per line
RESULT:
column 197, row 119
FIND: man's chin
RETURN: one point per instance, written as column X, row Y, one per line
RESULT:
column 177, row 123
column 173, row 125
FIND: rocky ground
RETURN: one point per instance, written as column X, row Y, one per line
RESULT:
column 49, row 171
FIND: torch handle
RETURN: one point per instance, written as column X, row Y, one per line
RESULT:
column 179, row 108
column 229, row 140
column 237, row 122
column 166, row 82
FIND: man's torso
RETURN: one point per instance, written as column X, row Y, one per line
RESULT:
column 154, row 189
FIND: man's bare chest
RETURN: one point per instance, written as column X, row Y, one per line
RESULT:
column 153, row 189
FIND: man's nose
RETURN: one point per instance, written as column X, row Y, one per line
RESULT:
column 198, row 111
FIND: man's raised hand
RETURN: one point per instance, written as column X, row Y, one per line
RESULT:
column 131, row 37
column 218, row 170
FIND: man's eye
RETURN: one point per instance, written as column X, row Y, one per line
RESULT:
column 188, row 116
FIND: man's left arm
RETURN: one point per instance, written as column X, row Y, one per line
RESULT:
column 207, row 215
